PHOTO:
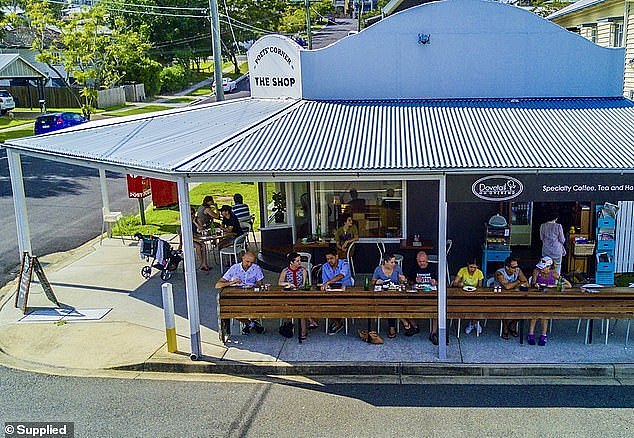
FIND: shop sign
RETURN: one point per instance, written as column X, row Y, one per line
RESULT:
column 274, row 67
column 545, row 187
column 138, row 186
column 497, row 188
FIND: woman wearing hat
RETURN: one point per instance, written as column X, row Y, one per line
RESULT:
column 544, row 275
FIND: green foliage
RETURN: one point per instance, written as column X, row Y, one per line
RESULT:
column 96, row 48
column 174, row 78
column 146, row 72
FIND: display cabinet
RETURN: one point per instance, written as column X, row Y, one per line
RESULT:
column 605, row 243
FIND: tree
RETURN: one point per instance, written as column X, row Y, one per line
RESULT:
column 96, row 49
column 249, row 20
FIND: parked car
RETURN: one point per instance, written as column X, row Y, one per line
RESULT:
column 56, row 121
column 228, row 85
column 6, row 102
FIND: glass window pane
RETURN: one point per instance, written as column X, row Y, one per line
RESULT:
column 275, row 203
column 375, row 207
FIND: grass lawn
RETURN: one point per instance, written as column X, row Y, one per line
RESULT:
column 17, row 133
column 140, row 110
column 166, row 221
column 8, row 122
column 180, row 100
column 202, row 91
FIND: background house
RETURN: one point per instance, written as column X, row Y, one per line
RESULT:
column 606, row 23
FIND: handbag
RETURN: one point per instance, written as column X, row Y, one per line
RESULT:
column 371, row 337
column 286, row 329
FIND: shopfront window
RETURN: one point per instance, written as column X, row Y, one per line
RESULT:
column 276, row 208
column 375, row 206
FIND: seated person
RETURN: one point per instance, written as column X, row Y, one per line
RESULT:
column 470, row 275
column 199, row 247
column 356, row 204
column 245, row 273
column 345, row 236
column 230, row 226
column 510, row 277
column 230, row 223
column 241, row 210
column 424, row 273
column 335, row 270
column 207, row 212
column 545, row 274
column 295, row 276
column 389, row 272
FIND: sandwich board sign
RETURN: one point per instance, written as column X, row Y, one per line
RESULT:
column 28, row 265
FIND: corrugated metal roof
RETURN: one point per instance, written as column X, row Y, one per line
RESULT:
column 159, row 141
column 374, row 136
column 576, row 6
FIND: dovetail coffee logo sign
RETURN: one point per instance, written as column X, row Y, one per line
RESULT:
column 497, row 188
column 274, row 67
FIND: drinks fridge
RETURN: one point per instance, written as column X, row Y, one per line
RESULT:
column 521, row 223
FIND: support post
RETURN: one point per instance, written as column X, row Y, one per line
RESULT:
column 442, row 268
column 308, row 28
column 142, row 210
column 216, row 50
column 168, row 309
column 189, row 262
column 19, row 202
column 105, row 199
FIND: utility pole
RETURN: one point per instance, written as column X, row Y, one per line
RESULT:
column 308, row 29
column 215, row 48
column 359, row 15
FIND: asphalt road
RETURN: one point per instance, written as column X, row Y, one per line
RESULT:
column 63, row 206
column 131, row 408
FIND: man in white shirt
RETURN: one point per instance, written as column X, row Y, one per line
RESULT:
column 245, row 273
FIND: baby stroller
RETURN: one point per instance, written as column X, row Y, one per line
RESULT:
column 164, row 258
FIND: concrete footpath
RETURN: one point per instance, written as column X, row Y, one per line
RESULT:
column 118, row 324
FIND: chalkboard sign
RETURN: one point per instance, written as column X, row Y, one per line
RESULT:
column 48, row 290
column 30, row 263
column 26, row 271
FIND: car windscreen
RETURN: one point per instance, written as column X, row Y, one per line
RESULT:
column 4, row 93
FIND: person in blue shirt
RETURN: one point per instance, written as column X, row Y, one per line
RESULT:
column 389, row 272
column 335, row 270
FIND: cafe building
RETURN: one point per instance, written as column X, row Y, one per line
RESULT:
column 421, row 127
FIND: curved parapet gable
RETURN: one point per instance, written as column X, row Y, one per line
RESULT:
column 274, row 67
column 462, row 49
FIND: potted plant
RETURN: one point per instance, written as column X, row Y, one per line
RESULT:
column 279, row 207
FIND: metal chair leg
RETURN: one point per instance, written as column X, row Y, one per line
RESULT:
column 587, row 330
column 627, row 332
column 607, row 330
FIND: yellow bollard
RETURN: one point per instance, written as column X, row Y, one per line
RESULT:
column 170, row 326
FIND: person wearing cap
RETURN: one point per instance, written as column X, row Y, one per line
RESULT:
column 544, row 275
column 470, row 275
column 552, row 235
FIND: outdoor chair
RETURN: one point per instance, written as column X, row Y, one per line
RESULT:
column 247, row 227
column 306, row 258
column 110, row 219
column 434, row 258
column 234, row 251
column 349, row 258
